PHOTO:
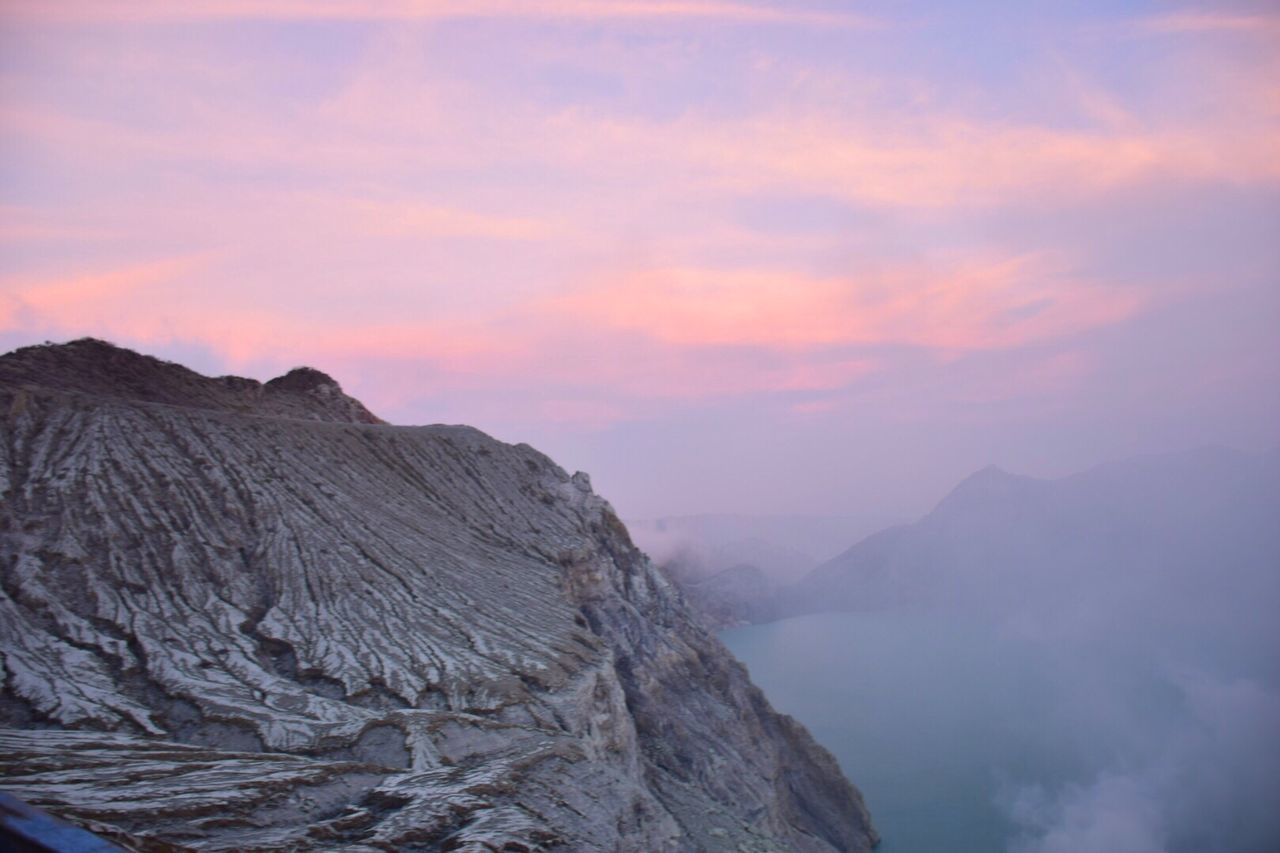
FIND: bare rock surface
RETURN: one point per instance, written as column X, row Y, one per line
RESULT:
column 100, row 369
column 252, row 616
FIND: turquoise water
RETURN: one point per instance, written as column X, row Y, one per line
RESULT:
column 952, row 727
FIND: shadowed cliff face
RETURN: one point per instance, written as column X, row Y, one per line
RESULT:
column 240, row 615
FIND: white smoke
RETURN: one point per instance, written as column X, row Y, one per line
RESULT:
column 1216, row 768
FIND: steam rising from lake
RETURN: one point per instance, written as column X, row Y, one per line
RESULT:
column 1097, row 669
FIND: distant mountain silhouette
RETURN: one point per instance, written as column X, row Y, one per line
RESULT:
column 1205, row 517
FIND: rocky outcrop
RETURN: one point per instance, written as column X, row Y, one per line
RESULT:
column 99, row 369
column 236, row 615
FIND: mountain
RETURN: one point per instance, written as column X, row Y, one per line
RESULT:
column 785, row 547
column 238, row 615
column 97, row 368
column 739, row 595
column 1188, row 532
column 731, row 567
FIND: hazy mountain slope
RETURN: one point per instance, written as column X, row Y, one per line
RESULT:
column 1112, row 536
column 257, row 619
column 739, row 595
column 729, row 567
column 1108, row 644
column 783, row 546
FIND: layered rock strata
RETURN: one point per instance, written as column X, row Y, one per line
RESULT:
column 236, row 615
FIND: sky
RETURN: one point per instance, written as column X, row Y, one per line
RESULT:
column 726, row 256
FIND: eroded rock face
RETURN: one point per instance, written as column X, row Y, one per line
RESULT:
column 241, row 615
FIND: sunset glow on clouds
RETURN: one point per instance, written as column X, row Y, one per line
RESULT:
column 952, row 306
column 936, row 231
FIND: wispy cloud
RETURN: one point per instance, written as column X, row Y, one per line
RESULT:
column 111, row 304
column 1193, row 21
column 76, row 300
column 965, row 304
column 132, row 11
column 410, row 218
column 613, row 210
column 26, row 226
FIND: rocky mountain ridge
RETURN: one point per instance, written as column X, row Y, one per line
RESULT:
column 97, row 368
column 251, row 616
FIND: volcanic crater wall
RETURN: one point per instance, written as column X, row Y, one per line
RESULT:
column 236, row 615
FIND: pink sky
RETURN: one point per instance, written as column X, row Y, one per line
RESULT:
column 726, row 256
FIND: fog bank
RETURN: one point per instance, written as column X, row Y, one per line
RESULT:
column 1110, row 637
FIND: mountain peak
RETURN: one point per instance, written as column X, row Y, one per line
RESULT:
column 985, row 480
column 302, row 379
column 987, row 484
column 96, row 368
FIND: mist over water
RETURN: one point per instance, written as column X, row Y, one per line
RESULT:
column 1120, row 696
column 971, row 737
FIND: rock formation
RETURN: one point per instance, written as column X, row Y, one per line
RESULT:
column 237, row 615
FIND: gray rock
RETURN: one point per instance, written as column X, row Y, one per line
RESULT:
column 236, row 615
column 739, row 595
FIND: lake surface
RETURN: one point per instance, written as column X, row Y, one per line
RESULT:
column 922, row 715
column 967, row 737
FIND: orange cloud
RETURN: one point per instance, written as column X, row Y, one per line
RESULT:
column 175, row 300
column 430, row 221
column 982, row 304
column 931, row 161
column 1211, row 22
column 183, row 299
column 132, row 11
column 76, row 300
column 602, row 355
column 664, row 333
column 394, row 115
